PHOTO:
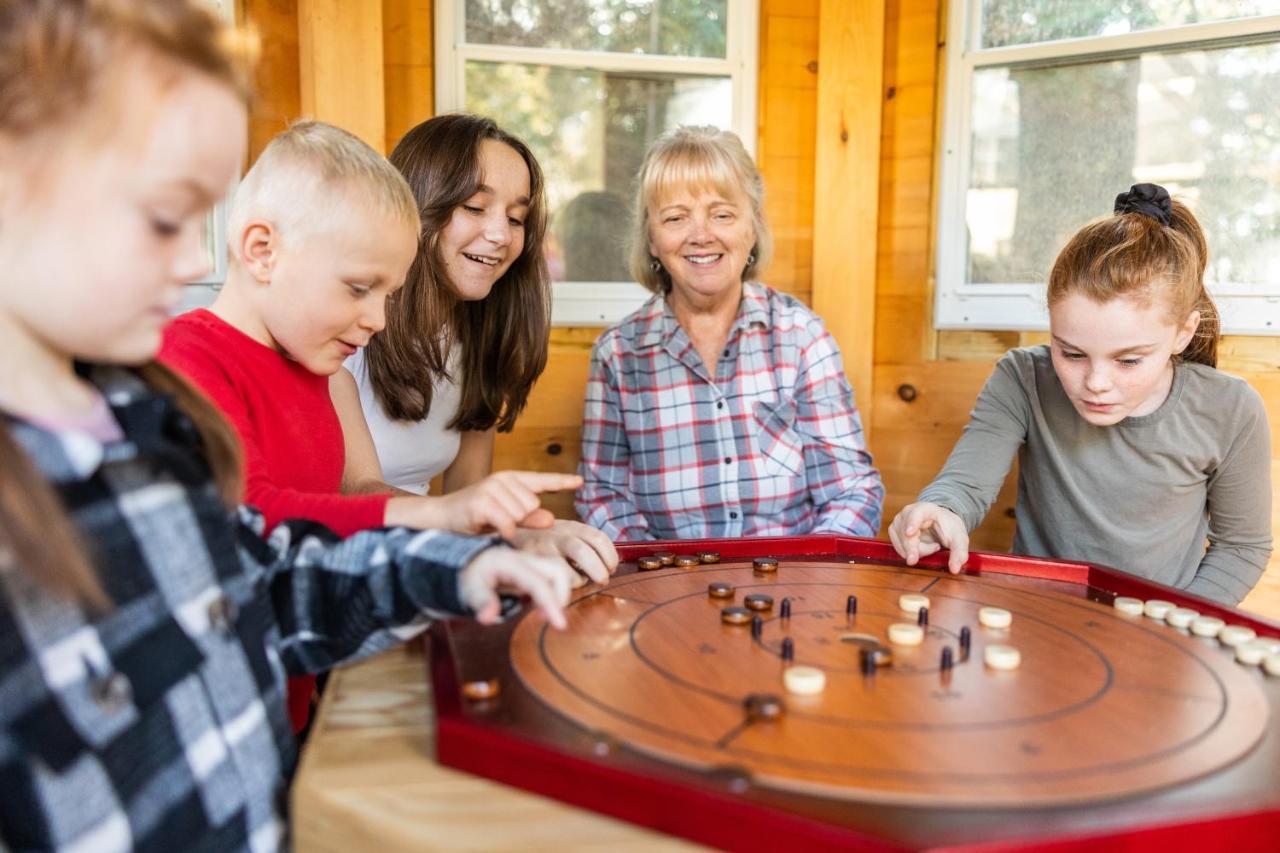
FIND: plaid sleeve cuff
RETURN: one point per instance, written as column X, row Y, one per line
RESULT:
column 436, row 549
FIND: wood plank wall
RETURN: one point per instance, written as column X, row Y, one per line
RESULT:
column 945, row 369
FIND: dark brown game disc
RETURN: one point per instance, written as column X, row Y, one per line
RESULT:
column 687, row 561
column 648, row 564
column 763, row 706
column 736, row 616
column 765, row 564
column 709, row 557
column 666, row 557
column 478, row 691
column 759, row 602
column 720, row 590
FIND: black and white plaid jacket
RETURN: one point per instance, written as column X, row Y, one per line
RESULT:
column 161, row 725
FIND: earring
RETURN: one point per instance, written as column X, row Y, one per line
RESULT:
column 751, row 259
column 655, row 264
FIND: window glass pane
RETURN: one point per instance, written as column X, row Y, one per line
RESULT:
column 1051, row 147
column 668, row 27
column 589, row 130
column 1008, row 22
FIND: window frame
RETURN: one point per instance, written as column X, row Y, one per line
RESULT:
column 202, row 292
column 587, row 303
column 960, row 304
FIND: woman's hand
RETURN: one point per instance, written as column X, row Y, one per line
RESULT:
column 921, row 529
column 546, row 580
column 586, row 548
column 501, row 502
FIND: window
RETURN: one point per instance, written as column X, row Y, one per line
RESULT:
column 588, row 84
column 1054, row 106
column 201, row 293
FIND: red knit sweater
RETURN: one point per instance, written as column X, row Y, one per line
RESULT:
column 292, row 440
column 293, row 450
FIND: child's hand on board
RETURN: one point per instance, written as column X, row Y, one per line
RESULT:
column 921, row 529
column 546, row 580
column 589, row 550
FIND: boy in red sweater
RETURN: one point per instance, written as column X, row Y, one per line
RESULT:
column 322, row 232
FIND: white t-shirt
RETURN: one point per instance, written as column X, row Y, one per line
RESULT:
column 411, row 452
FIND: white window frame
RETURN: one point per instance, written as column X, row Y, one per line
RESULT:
column 1245, row 309
column 200, row 294
column 602, row 303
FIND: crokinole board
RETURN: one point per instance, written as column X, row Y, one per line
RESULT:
column 1113, row 726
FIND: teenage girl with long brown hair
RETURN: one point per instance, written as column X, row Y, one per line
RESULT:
column 145, row 624
column 466, row 338
column 1133, row 449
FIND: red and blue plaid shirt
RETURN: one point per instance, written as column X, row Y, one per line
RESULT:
column 771, row 445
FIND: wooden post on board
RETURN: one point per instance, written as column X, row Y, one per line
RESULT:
column 847, row 181
column 340, row 53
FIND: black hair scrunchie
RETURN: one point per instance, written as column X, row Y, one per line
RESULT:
column 1149, row 200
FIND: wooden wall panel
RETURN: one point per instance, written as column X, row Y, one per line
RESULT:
column 340, row 65
column 277, row 99
column 788, row 117
column 407, row 56
column 847, row 160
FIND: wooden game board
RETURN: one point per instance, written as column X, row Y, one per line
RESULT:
column 1114, row 724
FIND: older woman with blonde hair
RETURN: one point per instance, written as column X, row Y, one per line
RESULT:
column 720, row 407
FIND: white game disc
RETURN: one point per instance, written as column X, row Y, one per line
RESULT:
column 1129, row 606
column 804, row 680
column 904, row 634
column 1001, row 657
column 1158, row 608
column 1181, row 617
column 912, row 602
column 995, row 617
column 1234, row 635
column 1207, row 626
column 1252, row 652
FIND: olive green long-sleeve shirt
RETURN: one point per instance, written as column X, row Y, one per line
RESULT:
column 1142, row 496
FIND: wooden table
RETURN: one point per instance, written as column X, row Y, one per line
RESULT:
column 369, row 780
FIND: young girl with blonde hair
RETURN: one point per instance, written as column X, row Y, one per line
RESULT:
column 1133, row 449
column 145, row 624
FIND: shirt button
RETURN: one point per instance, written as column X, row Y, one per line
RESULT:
column 733, row 515
column 726, row 353
column 728, row 460
column 111, row 692
column 222, row 614
column 719, row 404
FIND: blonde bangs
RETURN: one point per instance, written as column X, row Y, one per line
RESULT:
column 691, row 169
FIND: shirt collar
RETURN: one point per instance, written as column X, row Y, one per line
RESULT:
column 657, row 323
